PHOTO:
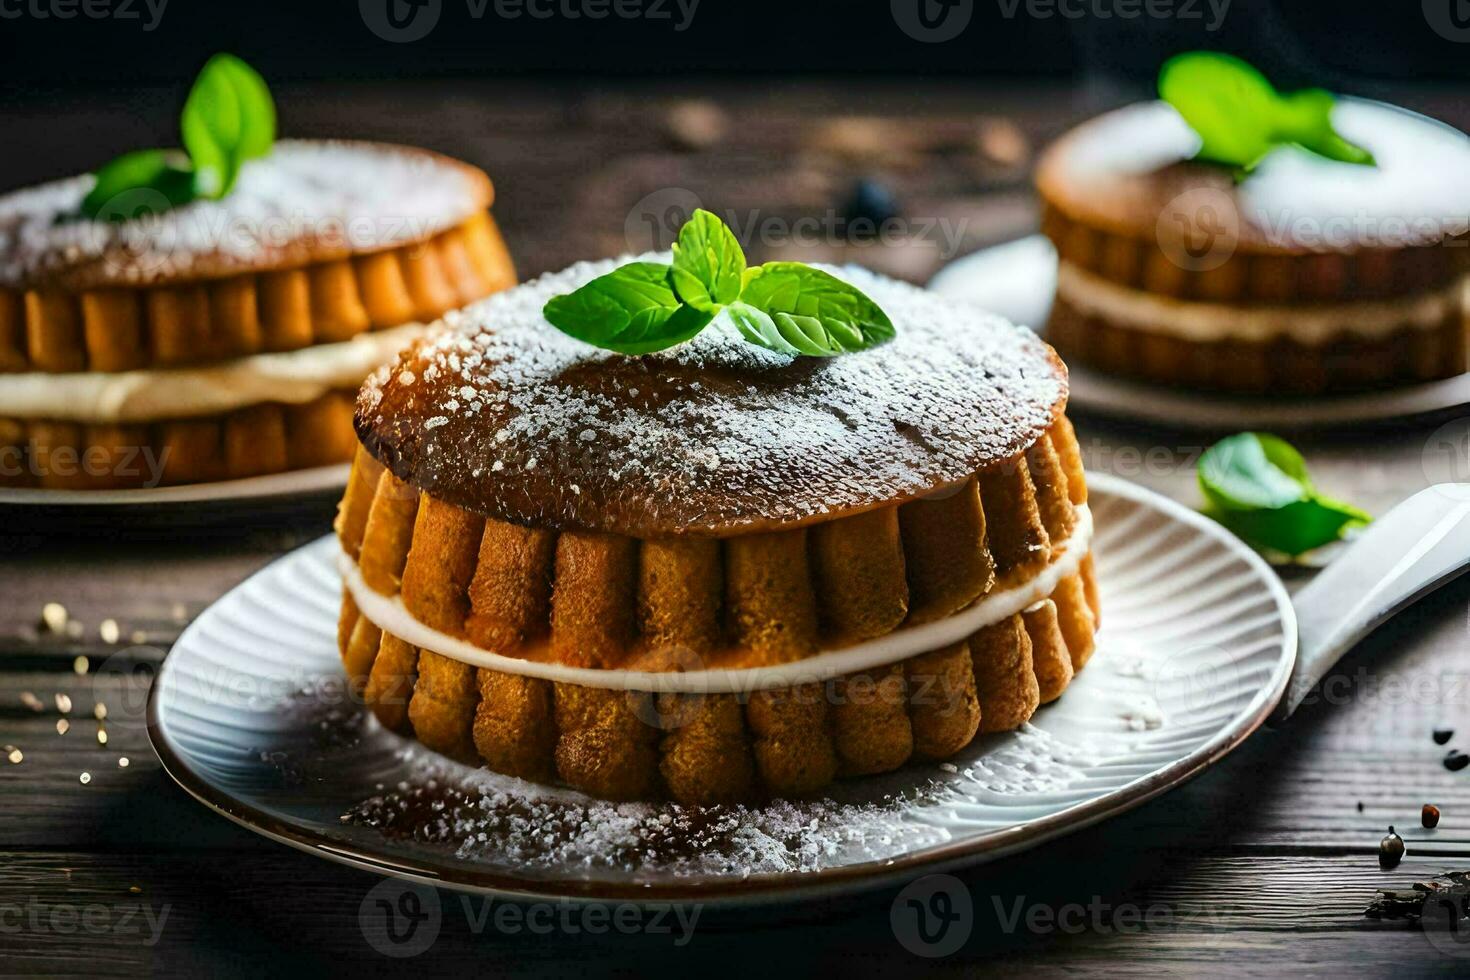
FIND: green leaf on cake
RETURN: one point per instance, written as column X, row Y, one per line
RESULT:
column 1239, row 116
column 631, row 310
column 787, row 307
column 141, row 181
column 227, row 119
column 709, row 264
column 813, row 311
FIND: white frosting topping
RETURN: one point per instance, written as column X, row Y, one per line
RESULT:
column 1317, row 323
column 148, row 395
column 341, row 196
column 389, row 614
column 1415, row 194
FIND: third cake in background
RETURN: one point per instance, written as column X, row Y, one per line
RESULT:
column 1237, row 259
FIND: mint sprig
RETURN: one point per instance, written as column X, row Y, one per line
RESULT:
column 1241, row 118
column 787, row 307
column 632, row 310
column 228, row 118
column 1257, row 485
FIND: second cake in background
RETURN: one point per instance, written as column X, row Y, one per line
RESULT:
column 1297, row 275
column 160, row 338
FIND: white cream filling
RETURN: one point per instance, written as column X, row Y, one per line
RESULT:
column 1317, row 323
column 389, row 614
column 151, row 394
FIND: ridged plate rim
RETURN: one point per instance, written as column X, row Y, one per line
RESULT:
column 274, row 486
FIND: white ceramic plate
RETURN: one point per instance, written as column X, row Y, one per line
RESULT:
column 249, row 715
column 275, row 487
column 1017, row 281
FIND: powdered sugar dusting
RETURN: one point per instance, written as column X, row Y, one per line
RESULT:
column 492, row 819
column 306, row 196
column 714, row 435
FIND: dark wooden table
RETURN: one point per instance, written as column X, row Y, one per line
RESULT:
column 1263, row 864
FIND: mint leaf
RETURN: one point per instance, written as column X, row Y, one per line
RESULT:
column 1305, row 117
column 709, row 265
column 228, row 118
column 758, row 328
column 786, row 307
column 1241, row 118
column 144, row 180
column 631, row 310
column 1258, row 486
column 813, row 312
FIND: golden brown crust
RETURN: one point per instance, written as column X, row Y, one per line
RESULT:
column 1348, row 362
column 679, row 604
column 944, row 703
column 608, row 601
column 703, row 749
column 116, row 329
column 1050, row 660
column 1133, row 256
column 1005, row 674
column 255, row 441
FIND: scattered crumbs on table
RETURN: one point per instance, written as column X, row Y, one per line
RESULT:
column 86, row 778
column 949, row 767
column 1456, row 760
column 31, row 701
column 62, row 726
column 63, row 703
column 1448, row 890
column 179, row 612
column 14, row 754
column 138, row 637
column 1443, row 735
column 101, row 735
column 122, row 762
column 74, row 629
column 109, row 631
column 135, row 889
column 1390, row 850
column 1360, row 806
column 54, row 617
column 99, row 711
column 81, row 665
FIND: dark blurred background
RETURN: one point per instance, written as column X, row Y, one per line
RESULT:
column 79, row 42
column 583, row 109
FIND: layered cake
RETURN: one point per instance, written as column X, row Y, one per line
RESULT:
column 1305, row 275
column 715, row 572
column 226, row 338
